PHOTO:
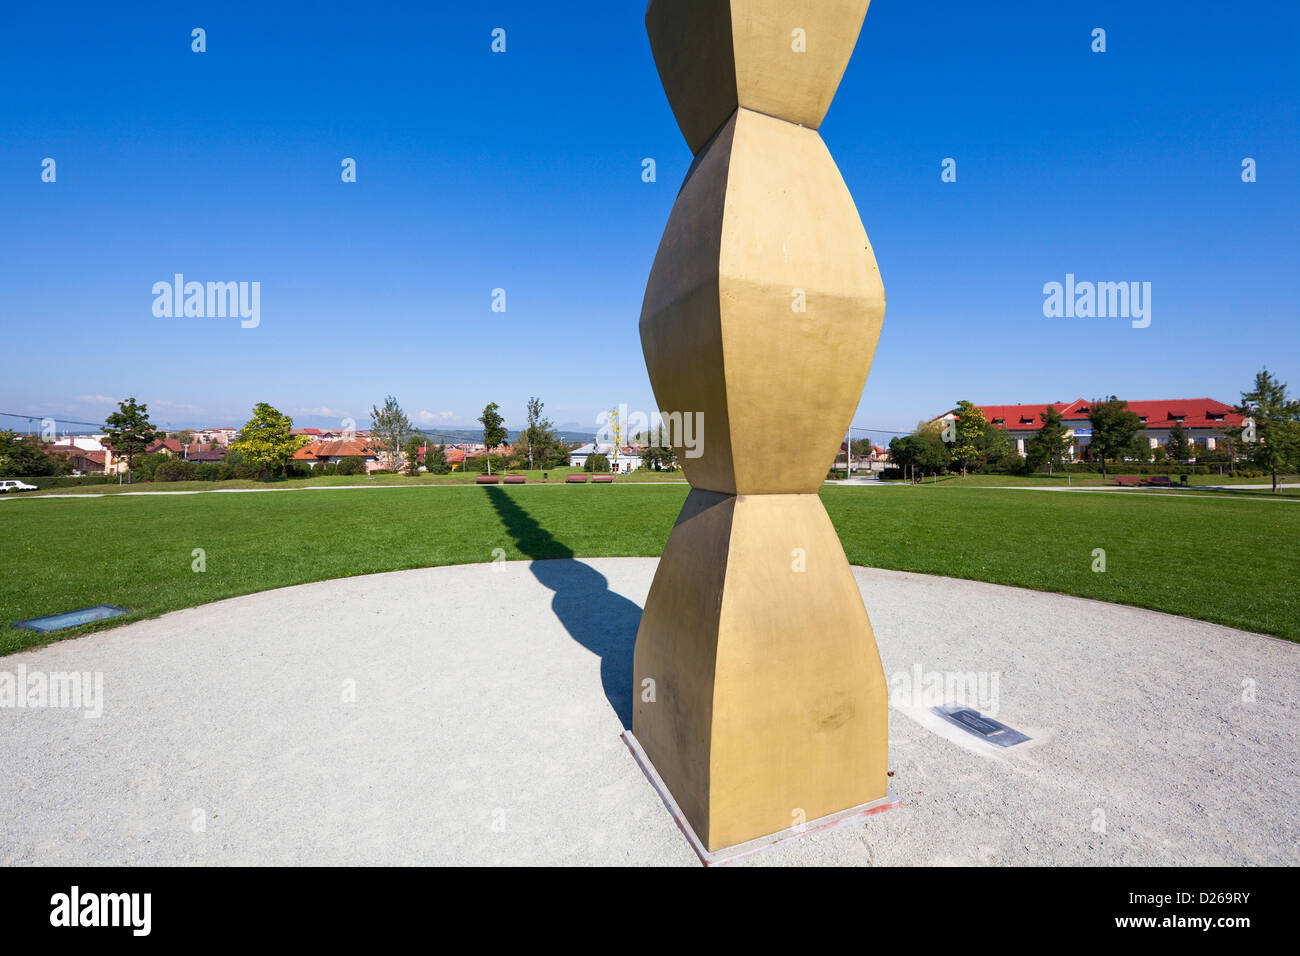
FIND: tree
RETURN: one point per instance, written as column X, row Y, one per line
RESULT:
column 923, row 450
column 1114, row 430
column 1270, row 430
column 1051, row 443
column 351, row 465
column 185, row 436
column 413, row 455
column 596, row 462
column 970, row 424
column 538, row 442
column 996, row 452
column 266, row 442
column 1176, row 446
column 493, row 432
column 658, row 458
column 24, row 456
column 435, row 460
column 533, row 429
column 389, row 430
column 129, row 431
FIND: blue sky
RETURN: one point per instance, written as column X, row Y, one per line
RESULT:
column 522, row 171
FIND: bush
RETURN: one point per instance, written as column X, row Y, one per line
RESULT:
column 68, row 481
column 597, row 463
column 352, row 465
column 173, row 469
column 480, row 464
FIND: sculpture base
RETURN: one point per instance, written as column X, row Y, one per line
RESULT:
column 760, row 697
column 740, row 851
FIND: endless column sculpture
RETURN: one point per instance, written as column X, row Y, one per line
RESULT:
column 759, row 694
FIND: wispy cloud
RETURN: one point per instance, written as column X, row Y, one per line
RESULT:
column 435, row 418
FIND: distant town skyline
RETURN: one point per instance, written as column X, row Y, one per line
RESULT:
column 998, row 158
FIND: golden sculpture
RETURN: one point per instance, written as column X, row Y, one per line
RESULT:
column 766, row 702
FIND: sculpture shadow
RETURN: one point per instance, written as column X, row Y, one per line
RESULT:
column 603, row 622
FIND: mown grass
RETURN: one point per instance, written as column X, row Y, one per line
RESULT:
column 1232, row 561
column 553, row 476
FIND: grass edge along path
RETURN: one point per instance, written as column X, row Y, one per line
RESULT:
column 1231, row 562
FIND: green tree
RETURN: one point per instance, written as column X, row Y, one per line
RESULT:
column 1115, row 430
column 1176, row 446
column 538, row 442
column 1051, row 443
column 596, row 463
column 968, row 431
column 412, row 452
column 924, row 450
column 389, row 431
column 129, row 431
column 532, row 432
column 266, row 442
column 494, row 433
column 185, row 436
column 435, row 460
column 24, row 456
column 658, row 458
column 351, row 465
column 996, row 451
column 1270, row 431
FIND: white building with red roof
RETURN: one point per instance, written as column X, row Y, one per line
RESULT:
column 1205, row 420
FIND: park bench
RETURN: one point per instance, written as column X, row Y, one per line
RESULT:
column 487, row 480
column 515, row 479
column 1128, row 480
column 1162, row 480
column 576, row 480
column 602, row 479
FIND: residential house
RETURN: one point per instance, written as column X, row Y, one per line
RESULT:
column 83, row 461
column 326, row 452
column 223, row 435
column 623, row 459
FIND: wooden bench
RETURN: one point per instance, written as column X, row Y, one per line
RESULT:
column 487, row 480
column 1133, row 480
column 576, row 480
column 516, row 480
column 1161, row 480
column 601, row 479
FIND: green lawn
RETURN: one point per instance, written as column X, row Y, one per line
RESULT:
column 1231, row 560
column 553, row 476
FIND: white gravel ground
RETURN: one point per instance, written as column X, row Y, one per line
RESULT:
column 489, row 702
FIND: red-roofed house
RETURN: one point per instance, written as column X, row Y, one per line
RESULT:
column 166, row 446
column 1204, row 419
column 84, row 461
column 325, row 452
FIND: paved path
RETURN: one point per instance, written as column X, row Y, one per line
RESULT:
column 471, row 715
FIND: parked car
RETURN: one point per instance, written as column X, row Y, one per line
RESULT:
column 8, row 486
